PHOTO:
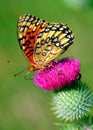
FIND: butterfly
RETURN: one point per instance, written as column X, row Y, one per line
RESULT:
column 42, row 42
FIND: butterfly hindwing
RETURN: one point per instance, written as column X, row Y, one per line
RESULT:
column 52, row 41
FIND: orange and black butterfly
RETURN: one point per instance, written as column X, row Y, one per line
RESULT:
column 42, row 42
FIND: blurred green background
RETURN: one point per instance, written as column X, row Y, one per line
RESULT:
column 23, row 106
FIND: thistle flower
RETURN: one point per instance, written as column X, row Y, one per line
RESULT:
column 58, row 74
column 72, row 102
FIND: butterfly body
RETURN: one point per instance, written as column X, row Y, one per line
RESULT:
column 42, row 42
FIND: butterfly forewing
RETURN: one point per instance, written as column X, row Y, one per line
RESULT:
column 42, row 42
column 28, row 29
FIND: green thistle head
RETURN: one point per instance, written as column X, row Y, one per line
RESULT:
column 73, row 102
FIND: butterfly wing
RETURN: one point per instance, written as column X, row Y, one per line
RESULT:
column 51, row 42
column 28, row 28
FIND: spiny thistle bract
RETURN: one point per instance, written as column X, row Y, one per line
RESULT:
column 72, row 127
column 75, row 126
column 72, row 102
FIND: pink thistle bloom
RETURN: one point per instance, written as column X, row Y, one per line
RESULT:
column 58, row 74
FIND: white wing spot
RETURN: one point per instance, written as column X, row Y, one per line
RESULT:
column 21, row 29
column 53, row 52
column 38, row 52
column 54, row 28
column 48, row 48
column 57, row 44
column 55, row 39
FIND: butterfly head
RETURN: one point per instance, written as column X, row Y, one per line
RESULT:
column 31, row 68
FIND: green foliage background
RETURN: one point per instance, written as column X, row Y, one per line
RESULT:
column 23, row 106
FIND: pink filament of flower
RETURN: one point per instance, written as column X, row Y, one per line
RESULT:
column 58, row 74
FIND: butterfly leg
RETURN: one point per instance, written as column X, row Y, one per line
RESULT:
column 28, row 76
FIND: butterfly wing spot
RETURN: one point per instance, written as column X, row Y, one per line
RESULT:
column 47, row 30
column 68, row 36
column 61, row 29
column 44, row 54
column 62, row 46
column 39, row 35
column 48, row 39
column 57, row 44
column 70, row 42
column 38, row 52
column 21, row 29
column 55, row 39
column 42, row 42
column 48, row 48
column 31, row 37
column 53, row 52
column 54, row 28
column 38, row 45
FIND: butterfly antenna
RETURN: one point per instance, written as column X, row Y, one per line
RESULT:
column 11, row 62
column 20, row 72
